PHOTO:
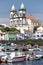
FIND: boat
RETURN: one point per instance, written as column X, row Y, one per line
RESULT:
column 39, row 55
column 2, row 54
column 14, row 57
column 36, row 49
column 33, row 56
column 30, row 50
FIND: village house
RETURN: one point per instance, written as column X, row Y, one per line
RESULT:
column 2, row 34
column 38, row 34
column 10, row 36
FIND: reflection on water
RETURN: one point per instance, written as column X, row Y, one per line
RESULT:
column 35, row 62
column 18, row 63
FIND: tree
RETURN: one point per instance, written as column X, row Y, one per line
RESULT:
column 28, row 42
column 13, row 30
column 35, row 28
column 7, row 29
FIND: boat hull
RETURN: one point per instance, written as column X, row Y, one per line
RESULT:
column 34, row 58
column 15, row 59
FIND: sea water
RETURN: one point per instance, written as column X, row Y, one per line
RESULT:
column 35, row 62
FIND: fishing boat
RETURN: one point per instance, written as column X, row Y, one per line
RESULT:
column 14, row 57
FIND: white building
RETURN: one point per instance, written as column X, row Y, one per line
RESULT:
column 20, row 18
column 39, row 33
column 1, row 35
column 25, row 32
column 27, row 35
column 21, row 21
column 24, row 28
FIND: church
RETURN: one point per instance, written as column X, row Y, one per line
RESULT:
column 19, row 18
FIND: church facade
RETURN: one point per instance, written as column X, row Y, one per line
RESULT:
column 19, row 19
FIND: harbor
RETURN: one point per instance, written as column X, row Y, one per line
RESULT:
column 12, row 55
column 21, row 32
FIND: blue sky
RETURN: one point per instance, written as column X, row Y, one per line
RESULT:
column 33, row 7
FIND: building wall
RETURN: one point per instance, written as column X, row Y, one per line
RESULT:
column 39, row 33
column 6, row 37
column 28, row 21
column 10, row 36
column 1, row 36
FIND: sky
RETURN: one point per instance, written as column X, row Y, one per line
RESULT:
column 33, row 7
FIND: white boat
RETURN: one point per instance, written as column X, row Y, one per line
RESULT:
column 33, row 56
column 39, row 56
column 36, row 49
column 2, row 53
column 30, row 50
column 14, row 57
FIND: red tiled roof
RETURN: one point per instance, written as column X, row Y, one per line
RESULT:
column 33, row 19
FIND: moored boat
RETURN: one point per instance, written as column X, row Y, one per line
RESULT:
column 14, row 57
column 33, row 56
column 37, row 49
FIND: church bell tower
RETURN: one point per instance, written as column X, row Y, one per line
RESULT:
column 22, row 15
